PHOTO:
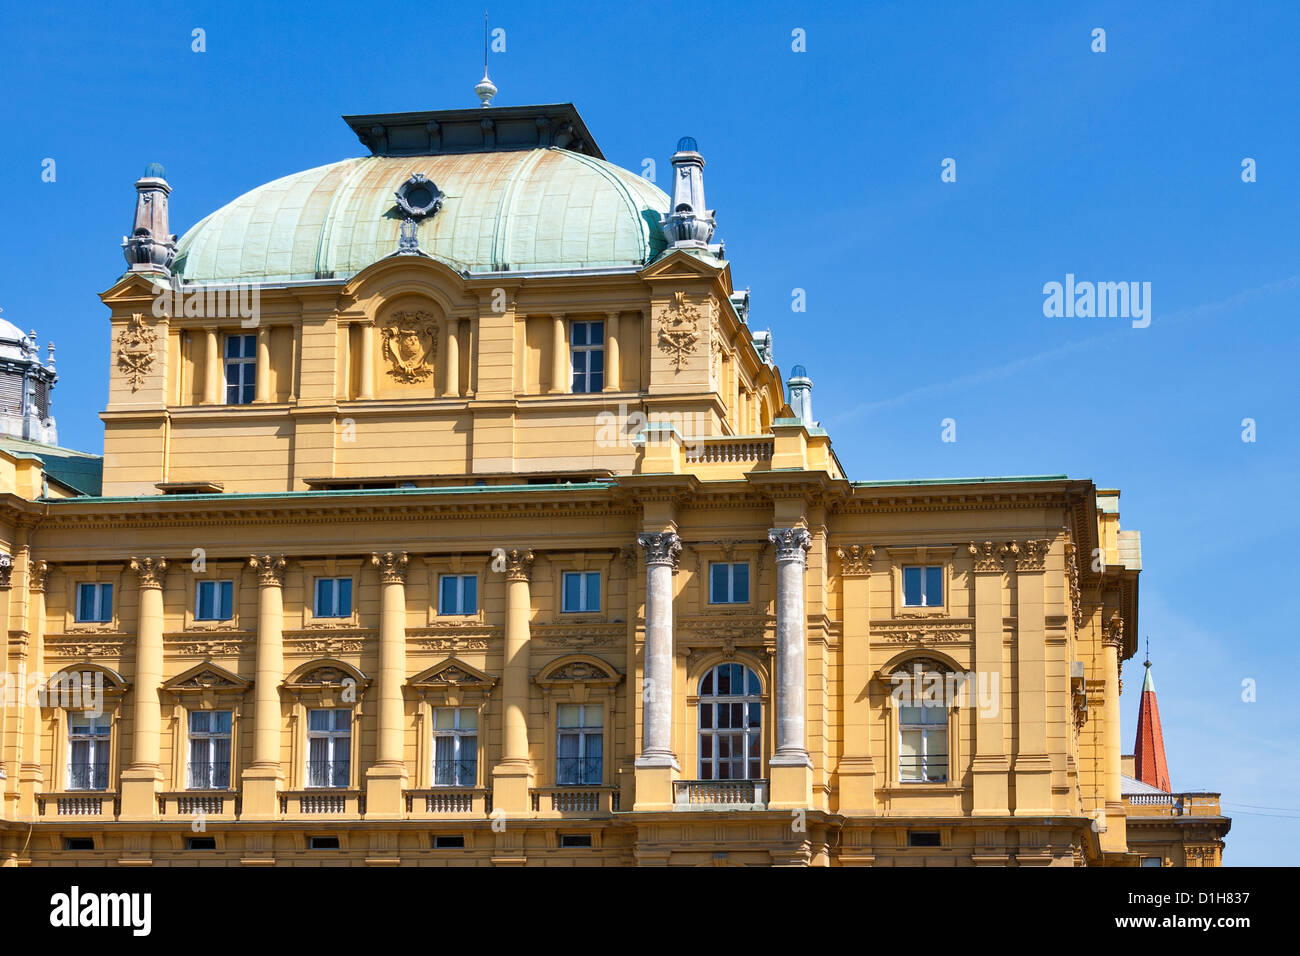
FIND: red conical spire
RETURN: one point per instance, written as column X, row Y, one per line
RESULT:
column 1149, row 749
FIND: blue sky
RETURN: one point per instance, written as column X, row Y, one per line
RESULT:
column 924, row 298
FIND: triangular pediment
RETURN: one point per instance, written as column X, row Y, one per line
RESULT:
column 680, row 264
column 452, row 673
column 207, row 676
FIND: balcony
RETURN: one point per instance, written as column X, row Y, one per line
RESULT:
column 442, row 802
column 594, row 801
column 216, row 804
column 720, row 794
column 325, row 801
column 78, row 804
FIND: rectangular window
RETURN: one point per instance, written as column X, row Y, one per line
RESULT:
column 213, row 600
column 201, row 843
column 329, row 748
column 241, row 369
column 923, row 838
column 88, row 739
column 1152, row 861
column 209, row 750
column 575, row 839
column 923, row 586
column 449, row 843
column 922, row 744
column 78, row 843
column 323, row 843
column 455, row 747
column 94, row 603
column 333, row 597
column 587, row 352
column 580, row 746
column 458, row 594
column 581, row 591
column 729, row 582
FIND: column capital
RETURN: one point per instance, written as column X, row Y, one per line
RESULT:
column 6, row 568
column 391, row 565
column 661, row 547
column 855, row 560
column 270, row 569
column 37, row 572
column 150, row 570
column 792, row 544
column 988, row 556
column 519, row 564
column 1113, row 635
column 1032, row 555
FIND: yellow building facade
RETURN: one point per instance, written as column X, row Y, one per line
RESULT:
column 490, row 535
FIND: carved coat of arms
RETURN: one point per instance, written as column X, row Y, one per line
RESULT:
column 679, row 330
column 135, row 350
column 410, row 344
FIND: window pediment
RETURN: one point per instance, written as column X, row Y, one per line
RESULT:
column 451, row 674
column 207, row 677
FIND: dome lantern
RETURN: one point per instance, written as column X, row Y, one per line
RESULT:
column 151, row 247
column 689, row 224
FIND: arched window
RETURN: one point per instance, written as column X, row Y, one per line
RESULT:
column 924, row 694
column 731, row 722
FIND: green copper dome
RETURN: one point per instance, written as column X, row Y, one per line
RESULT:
column 529, row 210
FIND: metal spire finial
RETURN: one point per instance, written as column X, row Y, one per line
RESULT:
column 485, row 89
column 1147, row 662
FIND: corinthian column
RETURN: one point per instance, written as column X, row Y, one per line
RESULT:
column 511, row 776
column 386, row 779
column 661, row 552
column 1115, row 837
column 790, row 766
column 857, row 770
column 989, row 778
column 140, row 779
column 262, row 778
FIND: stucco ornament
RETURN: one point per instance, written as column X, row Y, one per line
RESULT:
column 679, row 330
column 135, row 350
column 410, row 345
column 419, row 197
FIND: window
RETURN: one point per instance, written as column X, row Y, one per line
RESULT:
column 241, row 369
column 1152, row 861
column 458, row 594
column 455, row 746
column 731, row 720
column 579, row 746
column 922, row 744
column 209, row 750
column 213, row 600
column 923, row 838
column 581, row 591
column 323, row 843
column 201, row 843
column 329, row 747
column 729, row 583
column 449, row 843
column 94, row 603
column 575, row 839
column 587, row 352
column 88, row 739
column 78, row 843
column 923, row 586
column 333, row 597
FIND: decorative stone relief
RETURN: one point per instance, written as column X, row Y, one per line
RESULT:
column 679, row 330
column 269, row 567
column 519, row 565
column 151, row 571
column 391, row 565
column 1032, row 555
column 855, row 560
column 135, row 350
column 661, row 547
column 410, row 344
column 988, row 556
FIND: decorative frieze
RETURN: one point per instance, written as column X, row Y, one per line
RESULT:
column 6, row 568
column 923, row 631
